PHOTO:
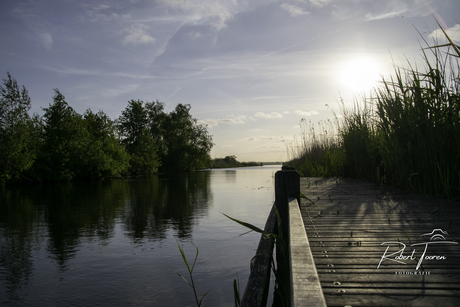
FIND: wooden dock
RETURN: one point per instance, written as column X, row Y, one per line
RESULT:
column 349, row 224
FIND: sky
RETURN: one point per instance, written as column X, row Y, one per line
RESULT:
column 250, row 69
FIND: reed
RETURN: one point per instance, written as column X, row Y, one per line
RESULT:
column 410, row 125
column 419, row 125
column 318, row 151
column 190, row 272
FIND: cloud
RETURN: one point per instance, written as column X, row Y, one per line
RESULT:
column 267, row 97
column 386, row 15
column 452, row 32
column 194, row 35
column 320, row 3
column 266, row 138
column 305, row 113
column 210, row 122
column 294, row 10
column 204, row 12
column 46, row 39
column 100, row 7
column 137, row 34
column 392, row 9
column 35, row 22
column 97, row 73
column 271, row 115
column 103, row 13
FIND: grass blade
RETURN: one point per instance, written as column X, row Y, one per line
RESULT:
column 247, row 225
column 303, row 196
column 181, row 277
column 236, row 293
column 199, row 304
column 184, row 258
column 196, row 257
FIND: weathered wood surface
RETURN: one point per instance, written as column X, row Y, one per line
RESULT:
column 346, row 226
column 255, row 293
column 305, row 284
column 287, row 185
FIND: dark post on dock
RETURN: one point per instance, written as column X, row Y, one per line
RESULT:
column 287, row 188
column 297, row 279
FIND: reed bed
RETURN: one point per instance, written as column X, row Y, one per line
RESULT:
column 410, row 125
column 318, row 151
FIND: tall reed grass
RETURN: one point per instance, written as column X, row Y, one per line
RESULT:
column 318, row 151
column 410, row 125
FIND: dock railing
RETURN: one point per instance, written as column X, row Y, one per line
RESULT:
column 295, row 265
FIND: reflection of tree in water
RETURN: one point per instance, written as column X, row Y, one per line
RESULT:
column 17, row 218
column 80, row 210
column 166, row 201
column 70, row 213
column 16, row 261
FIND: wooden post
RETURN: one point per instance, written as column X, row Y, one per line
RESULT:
column 287, row 185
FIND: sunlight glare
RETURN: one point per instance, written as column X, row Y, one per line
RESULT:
column 360, row 74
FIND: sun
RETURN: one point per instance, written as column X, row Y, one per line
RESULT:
column 360, row 74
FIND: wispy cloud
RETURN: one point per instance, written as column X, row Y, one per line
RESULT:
column 266, row 138
column 385, row 15
column 137, row 34
column 214, row 13
column 211, row 122
column 392, row 9
column 96, row 73
column 320, row 3
column 103, row 13
column 34, row 22
column 194, row 35
column 271, row 115
column 294, row 10
column 305, row 113
column 45, row 38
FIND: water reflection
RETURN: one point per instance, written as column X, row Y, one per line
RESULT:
column 230, row 175
column 56, row 219
column 16, row 240
column 159, row 203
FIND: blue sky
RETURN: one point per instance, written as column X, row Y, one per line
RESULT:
column 251, row 70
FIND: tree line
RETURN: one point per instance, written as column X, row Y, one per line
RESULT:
column 64, row 145
column 231, row 161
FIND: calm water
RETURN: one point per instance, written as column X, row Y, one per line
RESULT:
column 113, row 243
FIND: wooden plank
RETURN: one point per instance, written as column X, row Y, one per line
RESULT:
column 347, row 221
column 337, row 299
column 432, row 279
column 306, row 289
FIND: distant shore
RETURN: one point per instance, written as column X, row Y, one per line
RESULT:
column 231, row 161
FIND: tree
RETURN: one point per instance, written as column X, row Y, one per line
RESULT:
column 231, row 159
column 16, row 155
column 188, row 144
column 104, row 156
column 135, row 133
column 64, row 140
column 156, row 118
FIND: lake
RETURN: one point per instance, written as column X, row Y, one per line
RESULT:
column 114, row 242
